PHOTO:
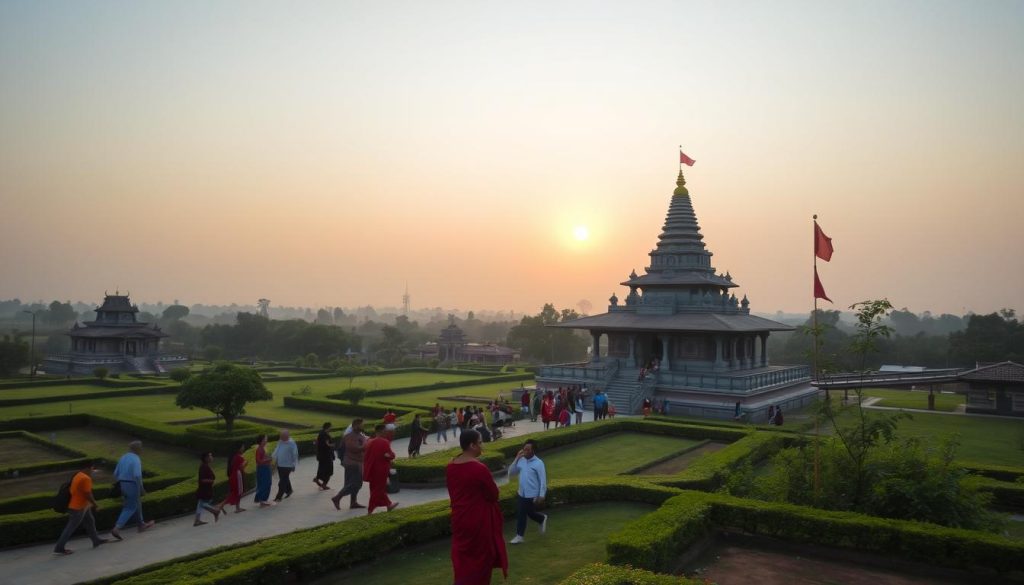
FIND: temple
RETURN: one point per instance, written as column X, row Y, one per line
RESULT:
column 452, row 347
column 682, row 339
column 116, row 340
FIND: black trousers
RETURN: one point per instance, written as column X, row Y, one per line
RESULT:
column 284, row 482
column 525, row 510
column 324, row 469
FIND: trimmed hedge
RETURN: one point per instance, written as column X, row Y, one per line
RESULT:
column 105, row 383
column 43, row 500
column 134, row 390
column 430, row 467
column 493, row 379
column 1005, row 495
column 601, row 574
column 655, row 541
column 1000, row 472
column 77, row 457
column 709, row 471
column 305, row 554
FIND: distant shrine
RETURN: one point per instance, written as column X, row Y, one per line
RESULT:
column 451, row 347
column 116, row 340
column 682, row 339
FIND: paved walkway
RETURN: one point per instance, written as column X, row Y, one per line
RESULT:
column 175, row 537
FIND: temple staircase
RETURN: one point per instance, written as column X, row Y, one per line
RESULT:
column 622, row 389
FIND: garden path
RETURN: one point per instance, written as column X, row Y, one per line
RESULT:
column 176, row 537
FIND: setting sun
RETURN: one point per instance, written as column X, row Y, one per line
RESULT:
column 581, row 232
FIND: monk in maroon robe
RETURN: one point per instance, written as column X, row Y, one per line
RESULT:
column 377, row 467
column 478, row 546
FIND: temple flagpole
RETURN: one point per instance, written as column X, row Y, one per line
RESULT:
column 814, row 328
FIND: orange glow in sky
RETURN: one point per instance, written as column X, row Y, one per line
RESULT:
column 328, row 154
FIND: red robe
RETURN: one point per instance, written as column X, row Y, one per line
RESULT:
column 547, row 409
column 376, row 467
column 478, row 546
column 235, row 487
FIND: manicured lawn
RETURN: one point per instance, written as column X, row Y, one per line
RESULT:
column 322, row 387
column 576, row 536
column 111, row 444
column 15, row 452
column 77, row 390
column 983, row 440
column 611, row 455
column 914, row 399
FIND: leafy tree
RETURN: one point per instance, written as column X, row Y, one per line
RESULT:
column 324, row 317
column 391, row 348
column 540, row 342
column 60, row 314
column 224, row 390
column 311, row 360
column 13, row 356
column 212, row 353
column 350, row 371
column 180, row 375
column 100, row 373
column 353, row 395
column 175, row 312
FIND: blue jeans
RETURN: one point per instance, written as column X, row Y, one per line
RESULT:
column 524, row 510
column 132, row 505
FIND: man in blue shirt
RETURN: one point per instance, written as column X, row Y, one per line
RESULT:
column 533, row 485
column 128, row 473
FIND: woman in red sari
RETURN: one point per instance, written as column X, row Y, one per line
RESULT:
column 236, row 471
column 377, row 467
column 478, row 546
column 547, row 410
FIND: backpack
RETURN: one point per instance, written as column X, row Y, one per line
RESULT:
column 63, row 498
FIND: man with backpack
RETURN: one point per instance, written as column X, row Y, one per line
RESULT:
column 77, row 500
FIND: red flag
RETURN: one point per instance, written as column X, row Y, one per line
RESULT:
column 822, row 244
column 683, row 159
column 819, row 291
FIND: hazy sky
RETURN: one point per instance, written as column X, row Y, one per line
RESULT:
column 326, row 153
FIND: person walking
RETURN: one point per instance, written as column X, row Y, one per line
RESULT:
column 600, row 402
column 236, row 476
column 264, row 472
column 535, row 407
column 477, row 543
column 547, row 410
column 377, row 468
column 579, row 408
column 524, row 402
column 80, row 510
column 204, row 493
column 453, row 422
column 286, row 455
column 355, row 447
column 128, row 474
column 324, row 457
column 533, row 486
column 647, row 407
column 441, row 420
column 416, row 433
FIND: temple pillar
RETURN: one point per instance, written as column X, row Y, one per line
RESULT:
column 733, row 361
column 718, row 352
column 764, row 350
column 596, row 351
column 664, row 352
column 632, row 350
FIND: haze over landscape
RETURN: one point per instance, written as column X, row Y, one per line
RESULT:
column 326, row 154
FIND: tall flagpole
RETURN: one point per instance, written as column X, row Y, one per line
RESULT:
column 680, row 158
column 814, row 326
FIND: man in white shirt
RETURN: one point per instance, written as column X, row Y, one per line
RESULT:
column 533, row 486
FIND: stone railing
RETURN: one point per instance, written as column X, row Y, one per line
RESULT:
column 577, row 373
column 735, row 384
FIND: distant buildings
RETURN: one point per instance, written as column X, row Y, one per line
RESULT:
column 451, row 347
column 995, row 389
column 114, row 340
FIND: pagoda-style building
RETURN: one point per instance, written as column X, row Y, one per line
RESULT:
column 116, row 340
column 450, row 342
column 681, row 338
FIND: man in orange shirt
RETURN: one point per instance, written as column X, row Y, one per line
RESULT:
column 80, row 510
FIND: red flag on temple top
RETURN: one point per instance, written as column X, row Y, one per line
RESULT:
column 822, row 244
column 819, row 291
column 683, row 159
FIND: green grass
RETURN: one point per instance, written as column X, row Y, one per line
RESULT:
column 914, row 399
column 111, row 444
column 576, row 536
column 77, row 390
column 983, row 439
column 325, row 386
column 16, row 451
column 611, row 455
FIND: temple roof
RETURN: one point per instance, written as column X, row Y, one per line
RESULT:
column 694, row 322
column 118, row 304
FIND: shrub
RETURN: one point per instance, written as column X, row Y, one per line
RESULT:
column 100, row 372
column 601, row 574
column 179, row 375
column 353, row 395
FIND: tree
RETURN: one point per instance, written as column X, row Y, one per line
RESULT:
column 13, row 355
column 180, row 375
column 323, row 317
column 212, row 353
column 60, row 313
column 353, row 395
column 311, row 360
column 540, row 342
column 224, row 390
column 100, row 372
column 175, row 312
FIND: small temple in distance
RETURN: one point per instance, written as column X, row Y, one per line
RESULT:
column 682, row 339
column 115, row 340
